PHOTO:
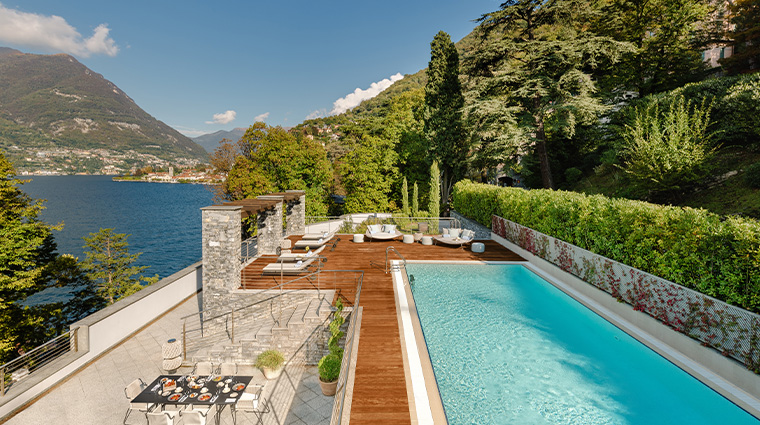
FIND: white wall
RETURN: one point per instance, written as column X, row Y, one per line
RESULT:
column 104, row 329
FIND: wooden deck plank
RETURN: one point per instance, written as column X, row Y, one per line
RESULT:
column 380, row 395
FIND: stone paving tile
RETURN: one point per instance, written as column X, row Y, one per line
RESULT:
column 95, row 395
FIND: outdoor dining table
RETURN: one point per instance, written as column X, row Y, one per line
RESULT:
column 220, row 391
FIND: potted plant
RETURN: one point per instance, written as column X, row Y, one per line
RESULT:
column 329, row 369
column 329, row 365
column 271, row 363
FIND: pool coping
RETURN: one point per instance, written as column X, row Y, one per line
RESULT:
column 425, row 402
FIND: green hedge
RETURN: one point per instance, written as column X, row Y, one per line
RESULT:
column 718, row 256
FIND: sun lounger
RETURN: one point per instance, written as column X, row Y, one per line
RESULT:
column 323, row 235
column 311, row 243
column 288, row 268
column 293, row 257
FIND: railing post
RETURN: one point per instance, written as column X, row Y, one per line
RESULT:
column 76, row 340
column 232, row 322
column 184, row 339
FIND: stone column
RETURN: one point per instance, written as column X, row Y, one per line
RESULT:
column 221, row 253
column 269, row 235
column 296, row 215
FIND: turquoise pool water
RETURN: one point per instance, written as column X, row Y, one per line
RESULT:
column 507, row 347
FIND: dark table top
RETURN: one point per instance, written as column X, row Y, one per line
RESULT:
column 192, row 387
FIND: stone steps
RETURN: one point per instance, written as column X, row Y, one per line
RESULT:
column 256, row 330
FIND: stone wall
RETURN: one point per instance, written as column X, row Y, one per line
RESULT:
column 221, row 238
column 270, row 228
column 296, row 216
column 481, row 232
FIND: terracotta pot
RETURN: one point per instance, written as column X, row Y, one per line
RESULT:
column 328, row 388
column 271, row 373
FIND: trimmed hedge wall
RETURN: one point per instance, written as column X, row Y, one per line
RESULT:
column 718, row 256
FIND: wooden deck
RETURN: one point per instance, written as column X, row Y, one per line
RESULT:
column 380, row 395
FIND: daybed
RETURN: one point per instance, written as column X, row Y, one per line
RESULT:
column 455, row 237
column 383, row 232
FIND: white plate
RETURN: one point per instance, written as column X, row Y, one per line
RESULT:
column 234, row 395
column 204, row 390
column 178, row 390
column 226, row 390
column 228, row 380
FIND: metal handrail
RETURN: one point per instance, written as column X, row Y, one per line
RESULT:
column 238, row 309
column 340, row 400
column 38, row 357
column 392, row 248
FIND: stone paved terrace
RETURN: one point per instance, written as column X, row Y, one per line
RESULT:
column 95, row 394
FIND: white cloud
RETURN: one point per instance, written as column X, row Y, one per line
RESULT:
column 354, row 99
column 319, row 113
column 223, row 118
column 261, row 117
column 52, row 33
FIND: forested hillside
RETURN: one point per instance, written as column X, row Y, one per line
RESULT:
column 53, row 102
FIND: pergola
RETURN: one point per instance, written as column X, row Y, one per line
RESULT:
column 263, row 203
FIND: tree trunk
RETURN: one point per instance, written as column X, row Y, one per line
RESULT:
column 445, row 187
column 543, row 157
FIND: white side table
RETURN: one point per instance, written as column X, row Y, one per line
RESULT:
column 358, row 238
column 426, row 240
column 478, row 247
column 408, row 239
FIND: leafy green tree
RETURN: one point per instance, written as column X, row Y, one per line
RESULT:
column 26, row 250
column 109, row 264
column 444, row 126
column 668, row 39
column 745, row 36
column 271, row 159
column 531, row 79
column 368, row 172
column 667, row 152
column 435, row 191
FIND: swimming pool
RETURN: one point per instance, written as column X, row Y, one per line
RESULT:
column 507, row 347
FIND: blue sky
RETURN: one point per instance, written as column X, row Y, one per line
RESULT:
column 188, row 63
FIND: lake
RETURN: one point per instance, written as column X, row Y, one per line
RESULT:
column 162, row 219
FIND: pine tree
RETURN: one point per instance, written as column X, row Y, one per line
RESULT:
column 109, row 263
column 442, row 114
column 530, row 78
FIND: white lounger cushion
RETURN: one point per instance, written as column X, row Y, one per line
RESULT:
column 287, row 267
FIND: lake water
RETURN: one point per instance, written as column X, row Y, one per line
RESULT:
column 163, row 220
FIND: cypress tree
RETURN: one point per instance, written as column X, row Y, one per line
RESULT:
column 442, row 114
column 435, row 190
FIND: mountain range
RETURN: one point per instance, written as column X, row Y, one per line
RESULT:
column 54, row 103
column 211, row 141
